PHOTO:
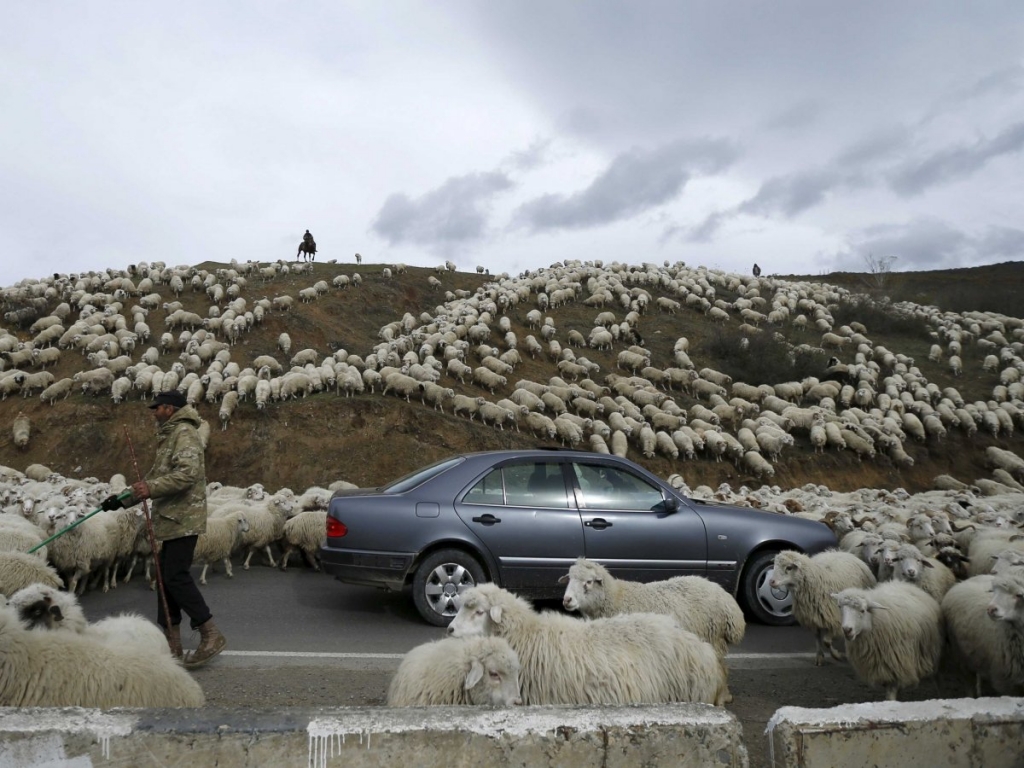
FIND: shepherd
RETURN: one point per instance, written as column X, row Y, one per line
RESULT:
column 308, row 247
column 757, row 270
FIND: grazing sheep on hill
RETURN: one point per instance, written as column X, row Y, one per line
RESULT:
column 633, row 659
column 812, row 581
column 699, row 605
column 985, row 629
column 482, row 671
column 22, row 430
column 64, row 669
column 894, row 635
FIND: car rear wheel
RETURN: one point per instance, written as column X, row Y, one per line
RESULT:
column 439, row 582
column 766, row 604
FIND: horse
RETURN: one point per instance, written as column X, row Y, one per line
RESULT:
column 309, row 249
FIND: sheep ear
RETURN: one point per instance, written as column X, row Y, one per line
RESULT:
column 599, row 581
column 476, row 674
column 563, row 579
column 873, row 606
column 927, row 564
column 496, row 614
column 56, row 613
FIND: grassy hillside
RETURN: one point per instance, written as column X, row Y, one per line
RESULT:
column 369, row 439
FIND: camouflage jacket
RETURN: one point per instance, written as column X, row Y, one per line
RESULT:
column 177, row 481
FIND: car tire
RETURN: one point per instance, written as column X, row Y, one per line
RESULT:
column 439, row 581
column 773, row 607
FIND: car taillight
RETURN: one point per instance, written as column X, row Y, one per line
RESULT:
column 335, row 528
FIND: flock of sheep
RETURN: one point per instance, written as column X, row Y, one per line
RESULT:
column 939, row 546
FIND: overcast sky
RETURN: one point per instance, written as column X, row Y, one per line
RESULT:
column 511, row 134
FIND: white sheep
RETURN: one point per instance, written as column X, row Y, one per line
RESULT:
column 19, row 570
column 222, row 536
column 926, row 573
column 985, row 625
column 22, row 430
column 811, row 582
column 894, row 635
column 483, row 671
column 65, row 669
column 699, row 605
column 46, row 608
column 305, row 532
column 633, row 659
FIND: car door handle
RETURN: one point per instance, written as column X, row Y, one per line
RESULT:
column 598, row 524
column 487, row 519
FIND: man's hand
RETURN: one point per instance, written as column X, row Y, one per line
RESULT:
column 140, row 490
column 110, row 503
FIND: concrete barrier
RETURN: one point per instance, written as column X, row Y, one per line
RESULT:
column 678, row 735
column 965, row 733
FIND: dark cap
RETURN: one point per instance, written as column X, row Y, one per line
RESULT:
column 171, row 397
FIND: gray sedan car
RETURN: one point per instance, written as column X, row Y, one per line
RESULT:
column 520, row 518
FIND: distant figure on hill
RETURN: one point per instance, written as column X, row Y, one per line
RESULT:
column 359, row 259
column 757, row 270
column 307, row 247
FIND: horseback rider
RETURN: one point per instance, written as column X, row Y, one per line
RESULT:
column 308, row 239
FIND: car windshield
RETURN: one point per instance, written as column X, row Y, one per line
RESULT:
column 420, row 476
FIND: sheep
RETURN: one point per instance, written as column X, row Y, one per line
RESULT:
column 305, row 532
column 986, row 545
column 812, row 581
column 923, row 572
column 19, row 569
column 22, row 430
column 457, row 671
column 894, row 635
column 222, row 536
column 59, row 389
column 699, row 605
column 65, row 669
column 986, row 634
column 46, row 608
column 639, row 658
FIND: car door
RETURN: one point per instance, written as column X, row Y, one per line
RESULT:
column 524, row 514
column 632, row 530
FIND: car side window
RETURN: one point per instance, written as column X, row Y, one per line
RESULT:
column 537, row 484
column 488, row 490
column 606, row 487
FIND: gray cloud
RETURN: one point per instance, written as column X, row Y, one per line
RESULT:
column 795, row 192
column 930, row 243
column 455, row 212
column 954, row 163
column 530, row 158
column 803, row 114
column 635, row 181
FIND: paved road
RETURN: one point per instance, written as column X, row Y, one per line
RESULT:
column 265, row 613
column 301, row 638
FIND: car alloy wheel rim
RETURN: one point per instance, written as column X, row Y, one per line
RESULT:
column 445, row 586
column 776, row 600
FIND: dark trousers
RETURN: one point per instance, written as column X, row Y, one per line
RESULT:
column 179, row 586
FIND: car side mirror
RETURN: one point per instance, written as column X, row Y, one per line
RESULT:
column 671, row 505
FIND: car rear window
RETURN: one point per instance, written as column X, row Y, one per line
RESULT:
column 420, row 476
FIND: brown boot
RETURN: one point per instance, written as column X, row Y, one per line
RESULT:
column 173, row 634
column 211, row 642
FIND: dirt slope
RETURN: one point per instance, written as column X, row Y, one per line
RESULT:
column 369, row 439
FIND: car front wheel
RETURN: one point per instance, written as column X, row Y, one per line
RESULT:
column 768, row 605
column 439, row 582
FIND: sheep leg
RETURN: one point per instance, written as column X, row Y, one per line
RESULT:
column 835, row 652
column 311, row 559
column 285, row 556
column 890, row 692
column 248, row 557
column 227, row 567
column 270, row 556
column 819, row 657
column 202, row 576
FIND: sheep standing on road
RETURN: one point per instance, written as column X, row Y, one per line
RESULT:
column 305, row 532
column 699, row 605
column 985, row 628
column 894, row 635
column 222, row 536
column 640, row 658
column 483, row 671
column 811, row 582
